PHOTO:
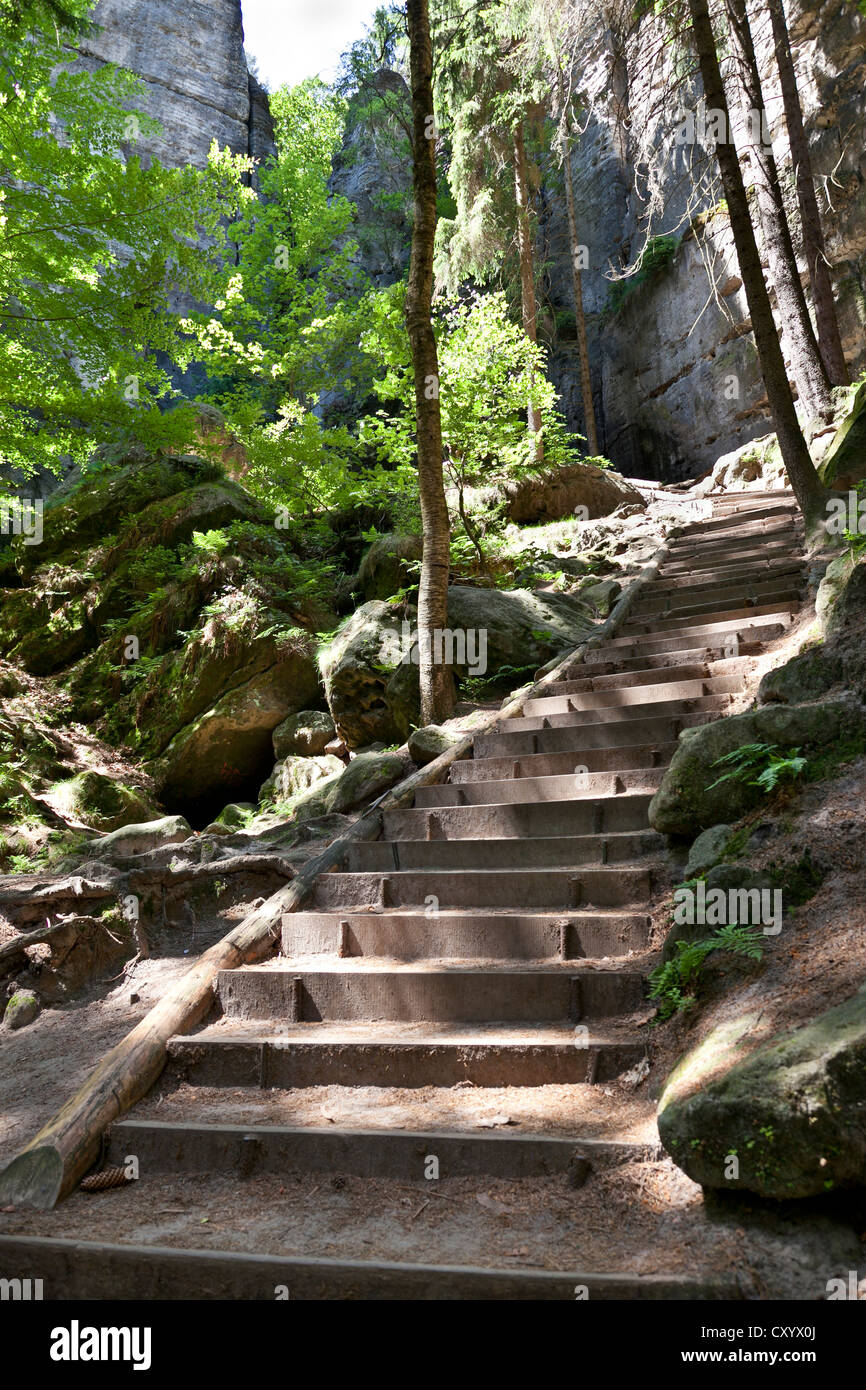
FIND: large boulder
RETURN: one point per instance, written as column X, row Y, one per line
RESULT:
column 844, row 464
column 101, row 802
column 687, row 802
column 189, row 620
column 391, row 563
column 141, row 838
column 840, row 659
column 427, row 744
column 371, row 678
column 22, row 1008
column 306, row 734
column 366, row 778
column 556, row 494
column 224, row 747
column 295, row 775
column 369, row 691
column 791, row 1115
column 755, row 466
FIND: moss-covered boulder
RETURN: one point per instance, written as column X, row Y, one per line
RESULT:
column 223, row 747
column 177, row 617
column 367, row 777
column 104, row 803
column 708, row 849
column 370, row 668
column 688, row 802
column 22, row 1009
column 428, row 743
column 787, row 1120
column 295, row 775
column 306, row 734
column 139, row 839
column 806, row 677
column 390, row 564
column 844, row 463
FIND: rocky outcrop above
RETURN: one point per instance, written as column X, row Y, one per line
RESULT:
column 306, row 734
column 165, row 602
column 191, row 57
column 675, row 373
column 374, row 171
column 845, row 463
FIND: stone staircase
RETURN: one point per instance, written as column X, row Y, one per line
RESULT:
column 494, row 935
column 483, row 930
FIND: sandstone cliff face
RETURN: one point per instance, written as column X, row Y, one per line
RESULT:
column 190, row 55
column 675, row 373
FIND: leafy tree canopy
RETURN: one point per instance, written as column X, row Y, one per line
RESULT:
column 93, row 246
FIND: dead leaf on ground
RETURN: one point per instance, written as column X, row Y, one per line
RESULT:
column 485, row 1200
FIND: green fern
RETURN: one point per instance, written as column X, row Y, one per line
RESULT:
column 674, row 984
column 764, row 759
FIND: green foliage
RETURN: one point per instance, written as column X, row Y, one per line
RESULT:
column 211, row 542
column 488, row 369
column 656, row 257
column 856, row 540
column 488, row 86
column 763, row 759
column 93, row 246
column 675, row 983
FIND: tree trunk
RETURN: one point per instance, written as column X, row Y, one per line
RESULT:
column 804, row 480
column 437, row 685
column 579, row 316
column 813, row 384
column 529, row 308
column 829, row 339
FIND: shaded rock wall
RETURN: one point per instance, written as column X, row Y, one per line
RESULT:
column 661, row 364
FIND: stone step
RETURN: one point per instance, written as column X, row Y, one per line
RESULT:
column 659, row 673
column 171, row 1148
column 354, row 991
column 762, row 572
column 550, row 852
column 742, row 599
column 786, row 511
column 783, row 612
column 702, row 634
column 759, row 519
column 610, row 715
column 101, row 1271
column 619, row 697
column 584, row 739
column 712, row 659
column 731, row 530
column 624, row 886
column 234, row 1053
column 465, row 935
column 589, row 786
column 516, row 819
column 695, row 571
column 739, row 589
column 561, row 764
column 712, row 554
